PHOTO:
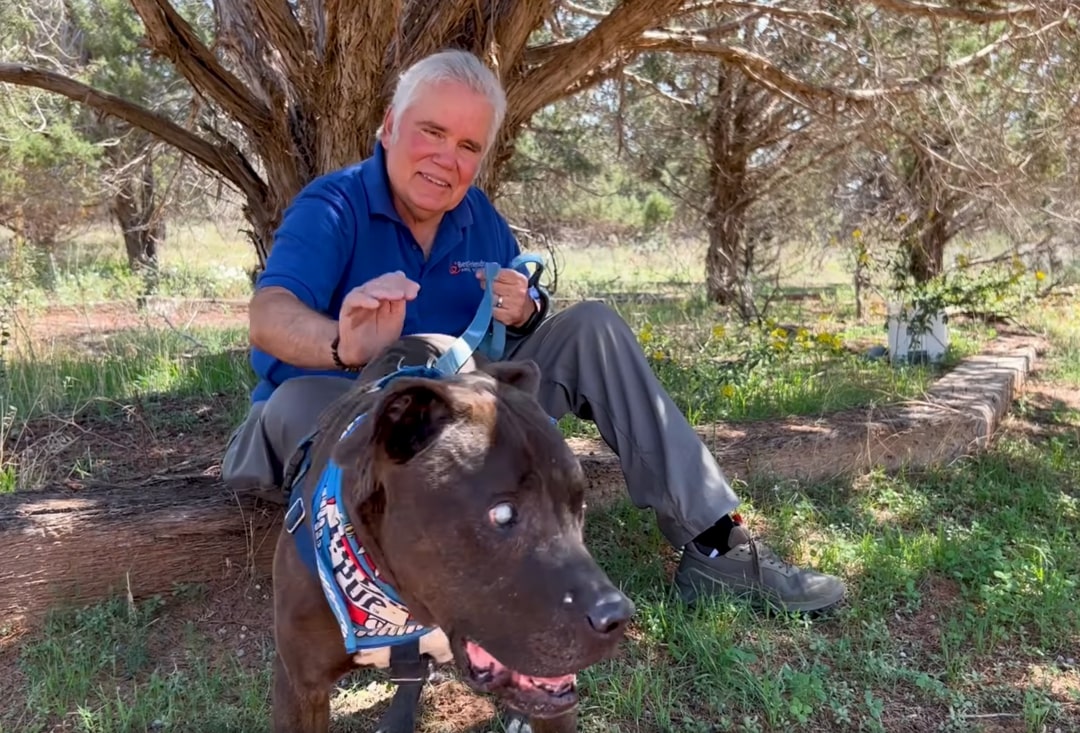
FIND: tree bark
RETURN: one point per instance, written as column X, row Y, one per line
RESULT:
column 727, row 263
column 926, row 236
column 138, row 213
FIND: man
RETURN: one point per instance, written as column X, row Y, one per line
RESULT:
column 396, row 246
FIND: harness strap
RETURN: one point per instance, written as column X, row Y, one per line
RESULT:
column 296, row 512
column 406, row 664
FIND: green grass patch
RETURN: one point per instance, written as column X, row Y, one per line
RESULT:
column 200, row 260
column 100, row 670
column 120, row 367
column 962, row 581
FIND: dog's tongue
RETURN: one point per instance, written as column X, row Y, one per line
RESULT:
column 481, row 659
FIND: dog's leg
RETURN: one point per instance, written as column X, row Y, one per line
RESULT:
column 566, row 723
column 409, row 670
column 298, row 711
column 400, row 717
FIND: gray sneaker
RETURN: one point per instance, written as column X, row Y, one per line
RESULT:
column 751, row 569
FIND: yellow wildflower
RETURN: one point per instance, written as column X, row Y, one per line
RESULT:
column 1040, row 275
column 718, row 331
column 727, row 391
column 857, row 234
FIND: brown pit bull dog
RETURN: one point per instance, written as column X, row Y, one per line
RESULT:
column 444, row 518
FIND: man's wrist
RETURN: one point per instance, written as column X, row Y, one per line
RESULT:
column 536, row 307
column 534, row 319
column 338, row 361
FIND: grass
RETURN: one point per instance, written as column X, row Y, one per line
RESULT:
column 961, row 614
column 200, row 260
column 962, row 611
column 55, row 377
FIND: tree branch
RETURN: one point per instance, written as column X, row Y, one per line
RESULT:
column 656, row 89
column 764, row 72
column 583, row 11
column 175, row 39
column 930, row 10
column 226, row 162
column 287, row 37
column 569, row 62
column 812, row 16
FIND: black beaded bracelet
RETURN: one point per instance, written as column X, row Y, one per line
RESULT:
column 337, row 358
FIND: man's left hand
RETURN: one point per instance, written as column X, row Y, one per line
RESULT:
column 513, row 305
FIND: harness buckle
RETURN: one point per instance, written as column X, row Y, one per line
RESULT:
column 294, row 515
column 407, row 665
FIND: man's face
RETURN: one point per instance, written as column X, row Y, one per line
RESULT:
column 439, row 147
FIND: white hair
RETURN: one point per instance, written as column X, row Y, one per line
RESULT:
column 454, row 66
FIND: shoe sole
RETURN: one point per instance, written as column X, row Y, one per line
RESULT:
column 757, row 597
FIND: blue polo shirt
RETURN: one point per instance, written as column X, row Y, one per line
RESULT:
column 342, row 230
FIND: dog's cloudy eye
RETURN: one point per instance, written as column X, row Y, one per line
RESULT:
column 502, row 514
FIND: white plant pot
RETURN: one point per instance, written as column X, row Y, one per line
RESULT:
column 908, row 346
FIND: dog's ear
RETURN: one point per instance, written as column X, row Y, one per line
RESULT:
column 409, row 418
column 525, row 375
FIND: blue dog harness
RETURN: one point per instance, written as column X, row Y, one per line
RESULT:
column 369, row 612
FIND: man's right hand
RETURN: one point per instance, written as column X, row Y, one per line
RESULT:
column 372, row 316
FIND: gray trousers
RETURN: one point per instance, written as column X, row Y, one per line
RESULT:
column 591, row 365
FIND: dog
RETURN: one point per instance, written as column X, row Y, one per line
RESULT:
column 462, row 509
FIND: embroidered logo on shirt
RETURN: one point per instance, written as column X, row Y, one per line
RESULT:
column 459, row 266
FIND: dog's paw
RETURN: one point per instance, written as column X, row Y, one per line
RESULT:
column 515, row 723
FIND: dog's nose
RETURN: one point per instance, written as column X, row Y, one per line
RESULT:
column 610, row 612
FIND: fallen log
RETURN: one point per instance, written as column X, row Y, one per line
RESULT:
column 73, row 547
column 77, row 546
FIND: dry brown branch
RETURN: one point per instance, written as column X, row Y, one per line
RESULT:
column 513, row 27
column 569, row 62
column 764, row 72
column 655, row 88
column 811, row 16
column 228, row 163
column 970, row 14
column 287, row 38
column 174, row 38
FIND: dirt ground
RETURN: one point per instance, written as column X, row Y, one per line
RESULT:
column 236, row 611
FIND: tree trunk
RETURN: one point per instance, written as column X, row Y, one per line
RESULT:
column 727, row 262
column 926, row 258
column 927, row 235
column 65, row 546
column 136, row 209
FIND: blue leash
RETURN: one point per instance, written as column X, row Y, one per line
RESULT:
column 477, row 335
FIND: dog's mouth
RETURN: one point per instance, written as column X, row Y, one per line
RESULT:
column 537, row 697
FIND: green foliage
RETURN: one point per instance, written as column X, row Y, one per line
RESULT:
column 724, row 371
column 47, row 167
